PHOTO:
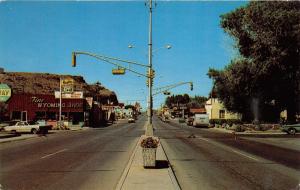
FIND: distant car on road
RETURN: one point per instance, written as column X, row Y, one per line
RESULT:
column 165, row 118
column 131, row 120
column 291, row 129
column 23, row 126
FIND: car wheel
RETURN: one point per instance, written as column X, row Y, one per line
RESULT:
column 33, row 131
column 292, row 131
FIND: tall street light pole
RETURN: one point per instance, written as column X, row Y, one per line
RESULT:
column 149, row 127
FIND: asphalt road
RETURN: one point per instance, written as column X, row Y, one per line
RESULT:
column 207, row 160
column 70, row 160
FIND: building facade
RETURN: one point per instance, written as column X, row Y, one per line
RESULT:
column 216, row 110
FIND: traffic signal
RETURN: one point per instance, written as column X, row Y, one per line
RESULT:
column 192, row 86
column 73, row 59
column 152, row 74
column 167, row 93
column 147, row 82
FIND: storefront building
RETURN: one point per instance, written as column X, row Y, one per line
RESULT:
column 33, row 107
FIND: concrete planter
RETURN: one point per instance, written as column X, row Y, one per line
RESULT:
column 149, row 157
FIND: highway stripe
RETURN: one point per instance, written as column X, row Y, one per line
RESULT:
column 54, row 153
column 244, row 155
column 237, row 152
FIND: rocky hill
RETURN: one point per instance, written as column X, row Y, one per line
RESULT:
column 46, row 83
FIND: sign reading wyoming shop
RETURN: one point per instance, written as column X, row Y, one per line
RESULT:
column 5, row 92
column 67, row 85
column 42, row 103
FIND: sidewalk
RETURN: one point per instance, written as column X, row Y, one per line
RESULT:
column 249, row 133
column 8, row 137
column 136, row 177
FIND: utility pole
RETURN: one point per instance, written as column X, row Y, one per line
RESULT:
column 149, row 128
column 60, row 102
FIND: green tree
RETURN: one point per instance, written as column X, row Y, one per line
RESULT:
column 177, row 99
column 266, row 74
column 197, row 101
column 129, row 107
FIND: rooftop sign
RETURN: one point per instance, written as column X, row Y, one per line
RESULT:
column 5, row 92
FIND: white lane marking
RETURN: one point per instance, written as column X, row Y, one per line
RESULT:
column 237, row 152
column 54, row 153
column 244, row 155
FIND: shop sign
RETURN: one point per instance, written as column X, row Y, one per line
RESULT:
column 5, row 92
column 67, row 85
column 106, row 108
column 89, row 101
column 41, row 103
column 74, row 95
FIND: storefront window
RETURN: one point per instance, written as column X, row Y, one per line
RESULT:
column 16, row 115
column 51, row 115
column 40, row 115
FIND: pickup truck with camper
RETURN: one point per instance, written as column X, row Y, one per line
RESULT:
column 201, row 120
column 25, row 127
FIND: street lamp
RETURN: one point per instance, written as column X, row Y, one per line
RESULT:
column 167, row 46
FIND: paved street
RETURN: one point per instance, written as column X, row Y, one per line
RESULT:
column 88, row 159
column 203, row 159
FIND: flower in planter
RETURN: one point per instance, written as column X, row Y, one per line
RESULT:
column 149, row 142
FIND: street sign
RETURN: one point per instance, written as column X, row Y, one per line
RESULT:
column 118, row 71
column 5, row 92
column 67, row 86
column 73, row 95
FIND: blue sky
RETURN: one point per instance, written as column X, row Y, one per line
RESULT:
column 40, row 36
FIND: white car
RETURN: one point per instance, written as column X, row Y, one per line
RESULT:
column 23, row 126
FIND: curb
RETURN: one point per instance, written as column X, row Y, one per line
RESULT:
column 14, row 140
column 8, row 136
column 171, row 172
column 127, row 168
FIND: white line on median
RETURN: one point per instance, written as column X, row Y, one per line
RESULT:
column 54, row 153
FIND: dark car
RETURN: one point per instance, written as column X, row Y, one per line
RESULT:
column 189, row 121
column 291, row 129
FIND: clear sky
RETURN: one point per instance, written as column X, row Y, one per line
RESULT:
column 40, row 36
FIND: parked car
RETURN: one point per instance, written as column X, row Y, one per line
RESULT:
column 181, row 120
column 23, row 126
column 201, row 120
column 291, row 129
column 189, row 121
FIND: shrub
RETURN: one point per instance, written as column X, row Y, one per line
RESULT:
column 149, row 142
column 226, row 121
